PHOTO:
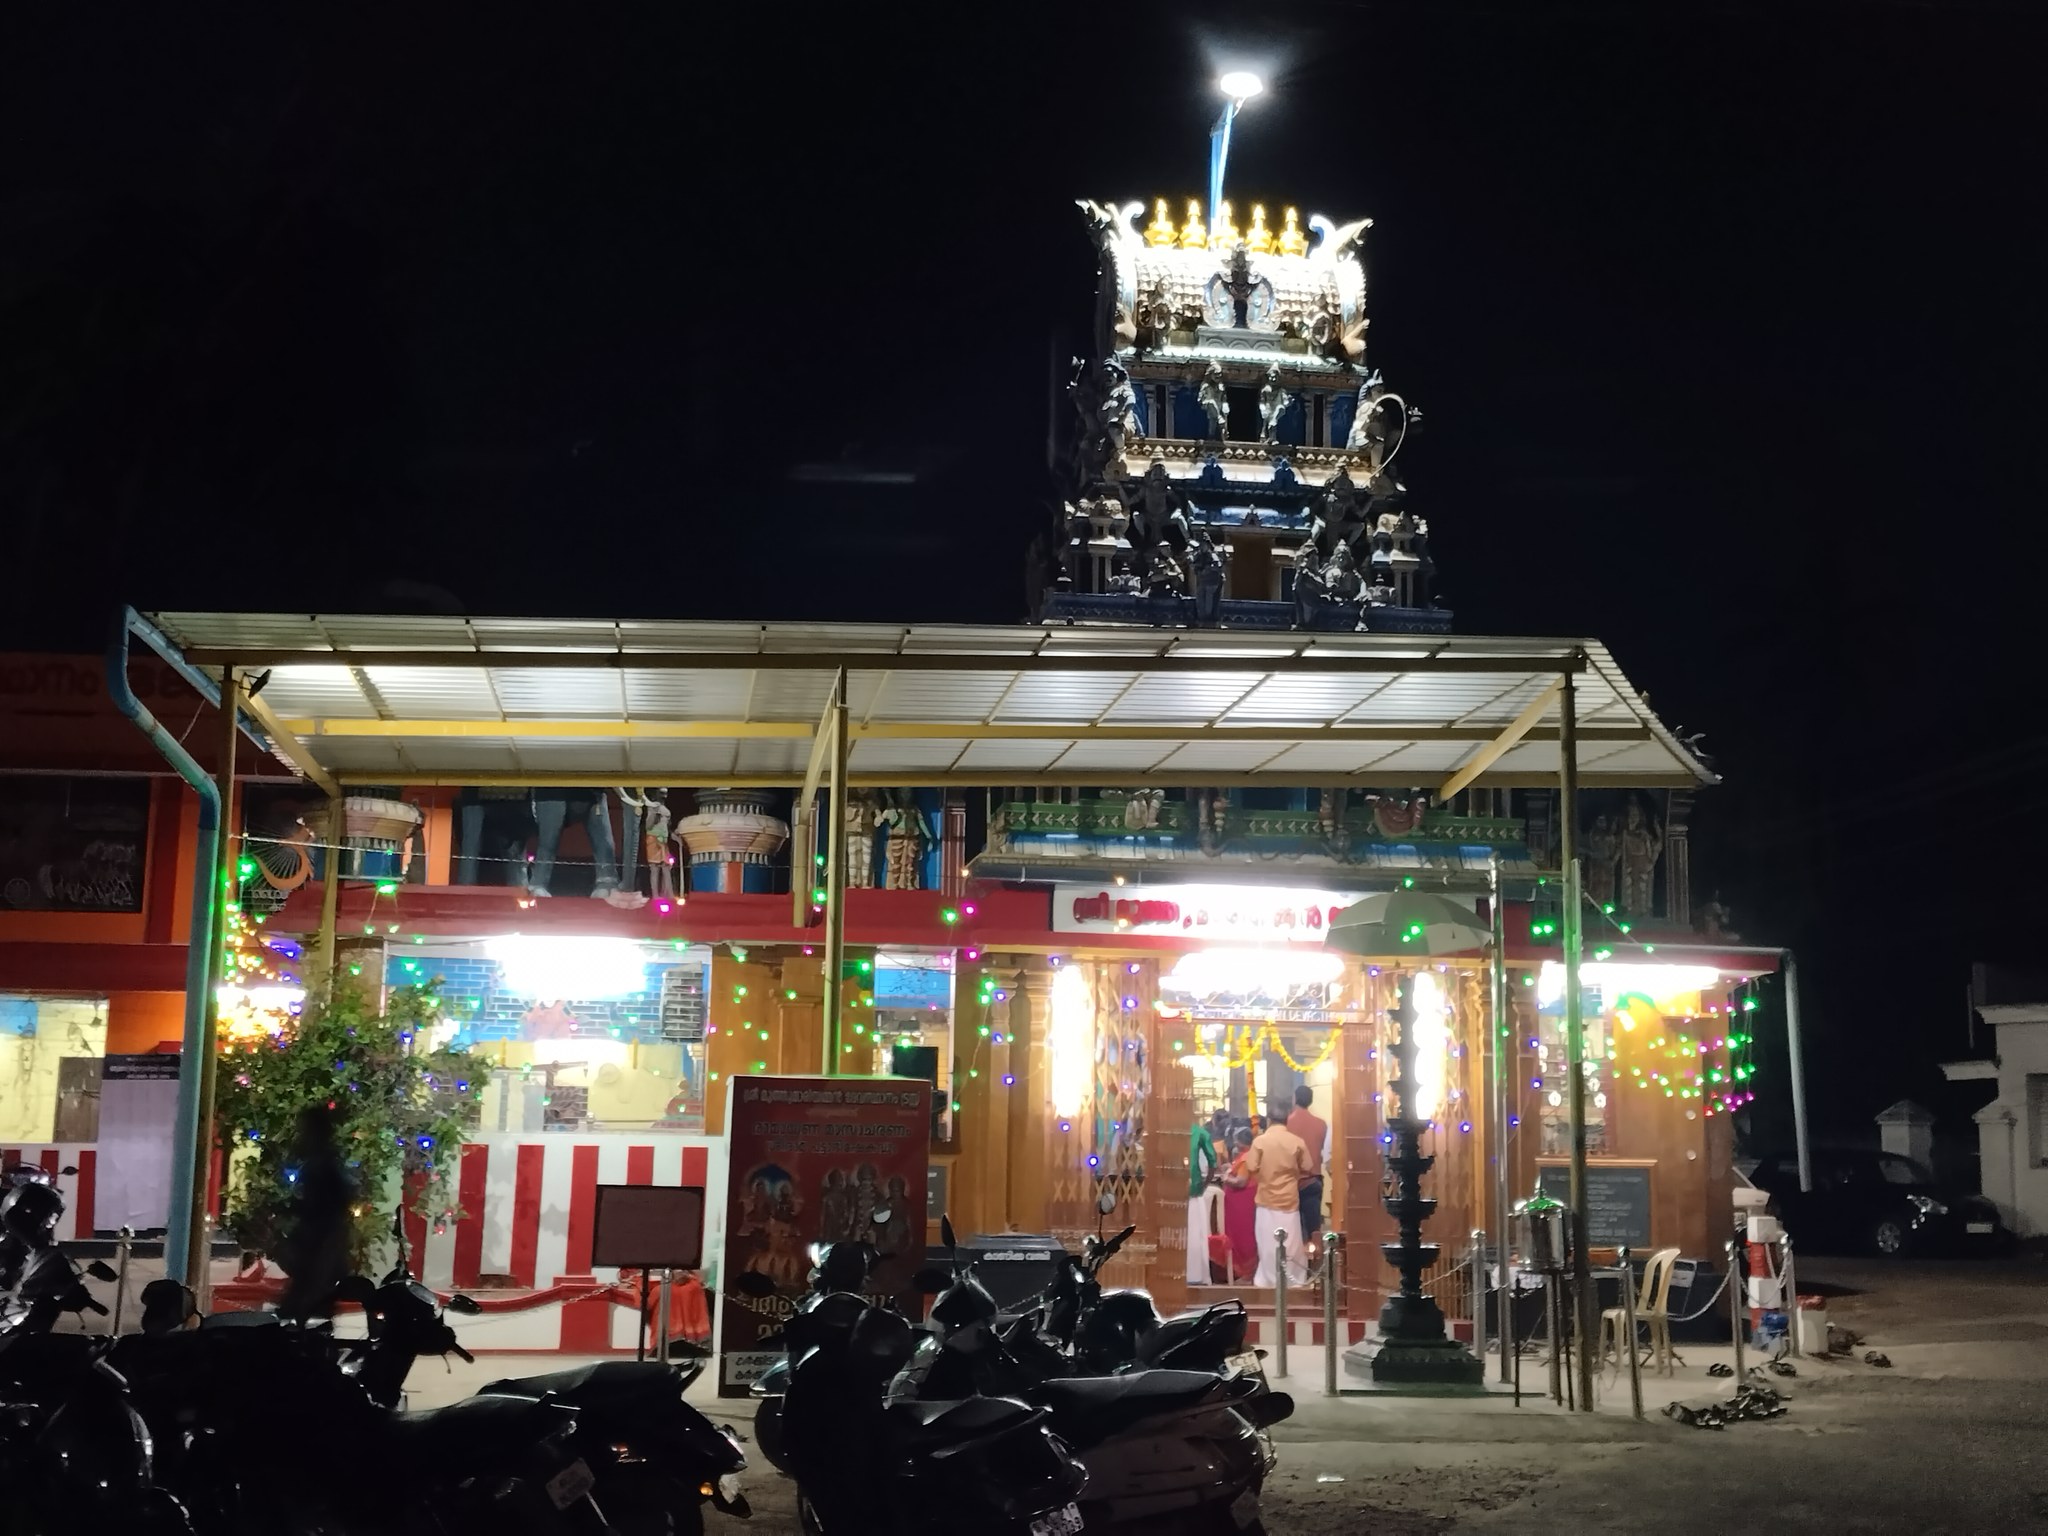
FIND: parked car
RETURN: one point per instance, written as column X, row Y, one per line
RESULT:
column 1878, row 1202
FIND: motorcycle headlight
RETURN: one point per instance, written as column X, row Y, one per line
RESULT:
column 1927, row 1205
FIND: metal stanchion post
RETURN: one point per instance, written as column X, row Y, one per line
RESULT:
column 204, row 1300
column 121, row 1248
column 1280, row 1300
column 1513, row 1340
column 1479, row 1293
column 1567, row 1309
column 668, row 1291
column 1628, row 1332
column 1735, row 1299
column 1790, row 1300
column 1551, row 1313
column 1332, row 1241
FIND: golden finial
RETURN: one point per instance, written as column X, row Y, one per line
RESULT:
column 1292, row 241
column 1160, row 231
column 1192, row 236
column 1222, row 234
column 1258, row 239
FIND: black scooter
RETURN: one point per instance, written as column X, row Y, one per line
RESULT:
column 74, row 1454
column 1158, row 1444
column 75, row 1457
column 250, row 1414
column 1107, row 1332
column 836, row 1268
column 861, row 1464
column 654, row 1460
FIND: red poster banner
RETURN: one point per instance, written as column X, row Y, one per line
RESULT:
column 816, row 1160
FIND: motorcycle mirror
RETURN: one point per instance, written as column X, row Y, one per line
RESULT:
column 99, row 1269
column 881, row 1216
column 932, row 1279
column 69, row 1173
column 465, row 1306
column 752, row 1283
column 946, row 1233
column 1105, row 1202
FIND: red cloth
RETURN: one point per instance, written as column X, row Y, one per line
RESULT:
column 1241, row 1226
column 1219, row 1259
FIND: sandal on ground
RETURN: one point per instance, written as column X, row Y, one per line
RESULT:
column 1720, row 1368
column 1877, row 1358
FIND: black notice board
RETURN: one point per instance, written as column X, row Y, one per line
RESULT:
column 72, row 844
column 648, row 1226
column 1617, row 1201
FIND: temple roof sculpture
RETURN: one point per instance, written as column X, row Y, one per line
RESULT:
column 1235, row 459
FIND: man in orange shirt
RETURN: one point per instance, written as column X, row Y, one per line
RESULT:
column 1275, row 1166
column 1315, row 1135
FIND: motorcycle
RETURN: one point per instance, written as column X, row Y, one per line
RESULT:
column 862, row 1463
column 838, row 1268
column 978, row 1461
column 655, row 1461
column 75, row 1456
column 1160, row 1446
column 1113, row 1331
column 255, row 1412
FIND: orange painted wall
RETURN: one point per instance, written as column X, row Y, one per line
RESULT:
column 138, row 1022
column 173, row 840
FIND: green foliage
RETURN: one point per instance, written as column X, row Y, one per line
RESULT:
column 401, row 1110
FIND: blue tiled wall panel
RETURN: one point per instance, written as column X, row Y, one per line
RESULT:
column 470, row 992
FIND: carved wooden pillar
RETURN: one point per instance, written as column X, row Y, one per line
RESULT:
column 990, row 1136
column 953, row 845
column 1028, row 1151
column 1361, row 1122
column 1678, row 859
column 1169, row 1121
column 799, row 1011
column 741, row 1003
column 1073, row 1024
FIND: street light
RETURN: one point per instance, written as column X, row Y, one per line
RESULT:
column 1238, row 87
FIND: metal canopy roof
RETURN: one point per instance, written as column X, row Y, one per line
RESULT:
column 425, row 700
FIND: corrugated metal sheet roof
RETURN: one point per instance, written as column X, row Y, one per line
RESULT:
column 460, row 700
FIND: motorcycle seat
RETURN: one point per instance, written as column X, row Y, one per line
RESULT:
column 604, row 1381
column 479, row 1433
column 926, row 1425
column 1087, row 1409
column 1189, row 1326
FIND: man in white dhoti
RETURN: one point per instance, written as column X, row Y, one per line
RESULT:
column 1277, row 1163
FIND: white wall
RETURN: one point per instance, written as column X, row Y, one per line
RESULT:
column 2014, row 1178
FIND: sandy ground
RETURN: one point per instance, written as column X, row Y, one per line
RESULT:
column 1953, row 1438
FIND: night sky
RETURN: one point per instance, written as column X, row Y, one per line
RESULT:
column 1726, row 321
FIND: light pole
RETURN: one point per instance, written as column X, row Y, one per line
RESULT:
column 1238, row 87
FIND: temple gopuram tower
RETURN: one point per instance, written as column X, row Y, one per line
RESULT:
column 1236, row 463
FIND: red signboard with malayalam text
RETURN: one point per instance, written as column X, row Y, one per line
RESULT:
column 811, row 1160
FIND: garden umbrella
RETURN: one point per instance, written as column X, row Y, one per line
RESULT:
column 1395, row 924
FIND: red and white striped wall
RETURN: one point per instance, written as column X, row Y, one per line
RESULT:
column 1302, row 1332
column 78, row 1190
column 530, row 1211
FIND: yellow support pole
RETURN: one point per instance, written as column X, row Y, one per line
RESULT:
column 835, row 880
